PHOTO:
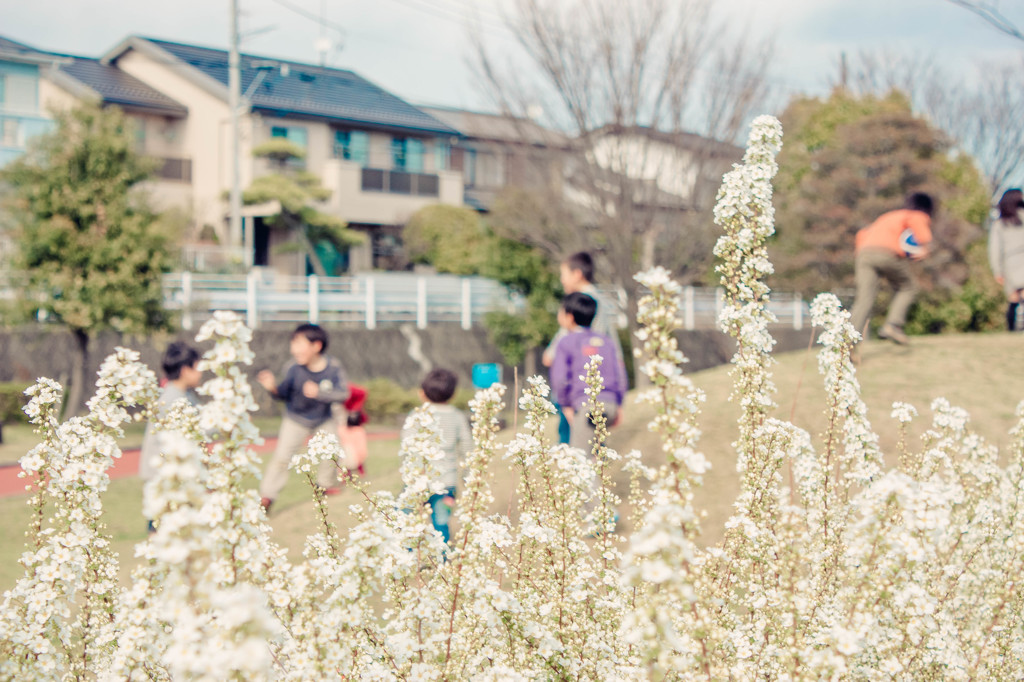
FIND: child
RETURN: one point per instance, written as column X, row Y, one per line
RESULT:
column 576, row 274
column 437, row 389
column 880, row 255
column 352, row 434
column 311, row 384
column 573, row 352
column 179, row 365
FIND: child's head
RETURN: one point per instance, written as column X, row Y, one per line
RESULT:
column 308, row 342
column 1010, row 204
column 179, row 364
column 580, row 308
column 439, row 385
column 576, row 272
column 919, row 201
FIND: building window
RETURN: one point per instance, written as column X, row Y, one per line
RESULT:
column 9, row 132
column 139, row 128
column 442, row 154
column 296, row 136
column 352, row 145
column 407, row 154
column 469, row 168
column 19, row 93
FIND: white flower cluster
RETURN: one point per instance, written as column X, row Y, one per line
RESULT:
column 832, row 566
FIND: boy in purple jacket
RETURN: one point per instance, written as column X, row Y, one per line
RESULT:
column 567, row 369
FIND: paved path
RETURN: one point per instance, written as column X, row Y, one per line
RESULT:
column 128, row 464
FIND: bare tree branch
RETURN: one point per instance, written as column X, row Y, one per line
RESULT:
column 989, row 11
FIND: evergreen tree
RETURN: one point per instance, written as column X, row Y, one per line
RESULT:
column 90, row 246
column 298, row 192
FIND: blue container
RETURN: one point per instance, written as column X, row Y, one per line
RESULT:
column 486, row 374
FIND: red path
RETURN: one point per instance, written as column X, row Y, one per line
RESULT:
column 128, row 464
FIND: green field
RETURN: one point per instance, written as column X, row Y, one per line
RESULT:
column 980, row 373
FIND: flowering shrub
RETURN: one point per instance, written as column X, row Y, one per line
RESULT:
column 832, row 566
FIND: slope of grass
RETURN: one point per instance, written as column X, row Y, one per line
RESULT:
column 980, row 373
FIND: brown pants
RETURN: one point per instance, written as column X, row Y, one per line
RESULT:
column 872, row 266
column 290, row 439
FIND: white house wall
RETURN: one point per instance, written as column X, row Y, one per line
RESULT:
column 672, row 169
column 205, row 138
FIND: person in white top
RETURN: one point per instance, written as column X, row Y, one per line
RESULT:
column 1006, row 251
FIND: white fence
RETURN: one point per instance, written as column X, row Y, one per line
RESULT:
column 377, row 299
column 366, row 300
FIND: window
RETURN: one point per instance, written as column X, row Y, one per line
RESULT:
column 469, row 168
column 9, row 132
column 296, row 136
column 442, row 154
column 20, row 93
column 352, row 145
column 139, row 127
column 407, row 154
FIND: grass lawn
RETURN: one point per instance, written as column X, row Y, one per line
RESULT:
column 978, row 372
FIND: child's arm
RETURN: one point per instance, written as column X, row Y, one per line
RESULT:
column 337, row 394
column 561, row 364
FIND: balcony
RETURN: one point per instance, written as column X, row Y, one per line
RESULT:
column 400, row 182
column 378, row 196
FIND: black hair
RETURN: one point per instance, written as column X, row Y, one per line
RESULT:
column 583, row 262
column 919, row 201
column 1010, row 205
column 178, row 356
column 313, row 333
column 439, row 385
column 581, row 307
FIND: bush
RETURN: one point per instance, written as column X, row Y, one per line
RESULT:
column 12, row 400
column 387, row 401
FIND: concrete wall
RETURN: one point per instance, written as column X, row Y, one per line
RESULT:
column 402, row 354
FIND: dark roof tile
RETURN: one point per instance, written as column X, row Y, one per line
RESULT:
column 308, row 90
column 121, row 88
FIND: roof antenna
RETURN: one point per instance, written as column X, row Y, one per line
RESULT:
column 323, row 44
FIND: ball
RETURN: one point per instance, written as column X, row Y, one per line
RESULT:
column 909, row 244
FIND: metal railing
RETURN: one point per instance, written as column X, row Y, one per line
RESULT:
column 376, row 299
column 366, row 300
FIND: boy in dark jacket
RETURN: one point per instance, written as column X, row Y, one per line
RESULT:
column 312, row 383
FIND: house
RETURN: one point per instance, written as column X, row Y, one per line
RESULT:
column 495, row 151
column 381, row 158
column 673, row 170
column 21, row 114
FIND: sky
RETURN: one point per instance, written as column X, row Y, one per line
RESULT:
column 418, row 49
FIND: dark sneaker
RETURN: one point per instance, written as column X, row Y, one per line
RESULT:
column 893, row 333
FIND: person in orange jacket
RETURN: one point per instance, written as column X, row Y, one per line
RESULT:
column 884, row 250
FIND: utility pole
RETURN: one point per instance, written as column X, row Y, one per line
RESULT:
column 234, row 104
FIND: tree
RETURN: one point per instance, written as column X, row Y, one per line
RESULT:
column 447, row 237
column 454, row 239
column 981, row 114
column 92, row 249
column 848, row 159
column 298, row 192
column 626, row 81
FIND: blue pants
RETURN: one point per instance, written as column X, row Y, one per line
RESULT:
column 441, row 513
column 563, row 425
